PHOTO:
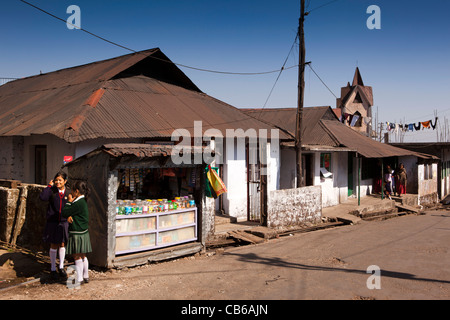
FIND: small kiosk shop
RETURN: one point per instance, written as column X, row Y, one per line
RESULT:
column 142, row 206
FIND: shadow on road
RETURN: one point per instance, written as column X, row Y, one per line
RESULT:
column 277, row 262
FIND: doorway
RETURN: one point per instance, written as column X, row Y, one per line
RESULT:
column 253, row 184
column 350, row 174
column 40, row 164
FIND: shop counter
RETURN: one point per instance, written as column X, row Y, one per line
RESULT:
column 141, row 232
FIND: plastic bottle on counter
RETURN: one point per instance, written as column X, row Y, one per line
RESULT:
column 185, row 201
column 144, row 206
column 152, row 206
column 178, row 203
column 128, row 208
column 139, row 206
column 159, row 205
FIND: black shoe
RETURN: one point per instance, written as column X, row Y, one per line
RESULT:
column 53, row 275
column 62, row 273
column 86, row 280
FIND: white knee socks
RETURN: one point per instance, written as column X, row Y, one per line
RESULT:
column 85, row 268
column 62, row 255
column 53, row 259
column 79, row 267
column 82, row 266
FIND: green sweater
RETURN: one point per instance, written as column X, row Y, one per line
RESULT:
column 78, row 210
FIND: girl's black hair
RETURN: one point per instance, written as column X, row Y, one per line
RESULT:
column 82, row 187
column 61, row 174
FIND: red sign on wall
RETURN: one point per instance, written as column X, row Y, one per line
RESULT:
column 67, row 159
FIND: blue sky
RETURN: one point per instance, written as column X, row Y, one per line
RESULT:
column 406, row 61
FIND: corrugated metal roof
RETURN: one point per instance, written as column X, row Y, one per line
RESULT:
column 132, row 96
column 322, row 128
column 285, row 118
column 364, row 145
column 156, row 110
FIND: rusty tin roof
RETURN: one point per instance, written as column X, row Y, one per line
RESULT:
column 140, row 95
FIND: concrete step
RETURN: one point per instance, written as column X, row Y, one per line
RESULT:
column 381, row 217
column 382, row 207
column 263, row 232
column 378, row 213
column 224, row 219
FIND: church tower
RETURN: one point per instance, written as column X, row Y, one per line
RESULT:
column 354, row 107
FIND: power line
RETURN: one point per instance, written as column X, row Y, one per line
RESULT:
column 134, row 51
column 321, row 6
column 279, row 74
column 309, row 65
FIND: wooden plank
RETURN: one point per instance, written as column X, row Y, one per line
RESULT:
column 244, row 236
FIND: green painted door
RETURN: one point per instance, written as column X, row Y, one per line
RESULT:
column 350, row 174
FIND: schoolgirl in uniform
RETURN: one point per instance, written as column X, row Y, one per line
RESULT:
column 56, row 231
column 77, row 214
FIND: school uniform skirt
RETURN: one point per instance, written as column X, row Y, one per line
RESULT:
column 79, row 242
column 56, row 232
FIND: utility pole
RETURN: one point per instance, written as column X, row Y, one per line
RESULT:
column 301, row 89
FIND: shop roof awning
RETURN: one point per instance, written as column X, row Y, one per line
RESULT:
column 141, row 154
column 142, row 150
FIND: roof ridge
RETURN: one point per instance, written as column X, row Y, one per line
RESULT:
column 89, row 63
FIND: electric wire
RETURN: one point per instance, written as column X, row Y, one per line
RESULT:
column 309, row 65
column 137, row 52
column 279, row 74
column 321, row 6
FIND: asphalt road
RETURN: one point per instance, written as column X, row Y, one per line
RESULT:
column 410, row 255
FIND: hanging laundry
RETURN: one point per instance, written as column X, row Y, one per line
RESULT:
column 354, row 120
column 411, row 127
column 435, row 123
column 346, row 115
column 417, row 127
column 426, row 124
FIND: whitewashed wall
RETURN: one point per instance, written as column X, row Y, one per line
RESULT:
column 235, row 179
column 334, row 189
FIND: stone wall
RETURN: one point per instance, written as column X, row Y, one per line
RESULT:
column 290, row 207
column 11, row 158
column 22, row 216
column 8, row 204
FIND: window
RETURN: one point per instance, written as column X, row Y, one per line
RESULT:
column 357, row 98
column 325, row 161
column 428, row 171
column 325, row 165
